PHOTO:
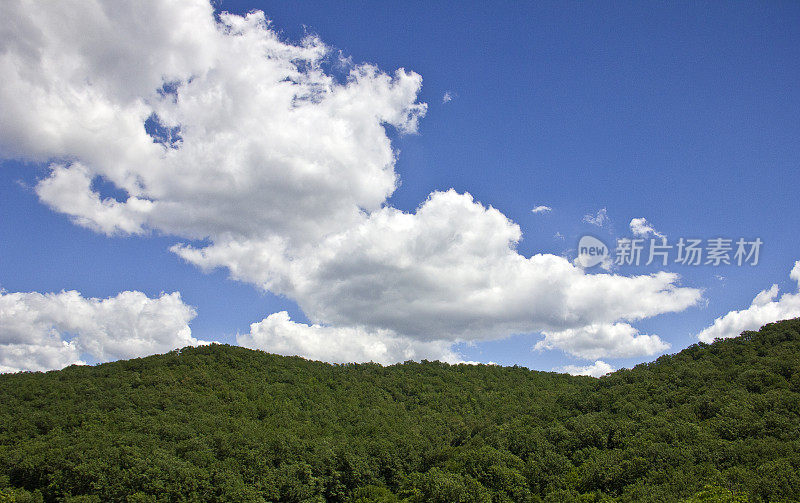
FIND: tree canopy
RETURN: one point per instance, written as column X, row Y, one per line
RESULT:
column 218, row 423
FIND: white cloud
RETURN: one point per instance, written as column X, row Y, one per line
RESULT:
column 640, row 227
column 279, row 334
column 448, row 271
column 542, row 209
column 600, row 219
column 447, row 97
column 271, row 144
column 284, row 172
column 597, row 369
column 603, row 339
column 764, row 309
column 50, row 331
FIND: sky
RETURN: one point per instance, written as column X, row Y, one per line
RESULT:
column 368, row 181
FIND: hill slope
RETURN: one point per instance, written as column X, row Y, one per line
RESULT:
column 223, row 423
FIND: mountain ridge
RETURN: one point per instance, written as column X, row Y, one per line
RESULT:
column 225, row 423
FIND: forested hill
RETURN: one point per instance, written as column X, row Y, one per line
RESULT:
column 716, row 422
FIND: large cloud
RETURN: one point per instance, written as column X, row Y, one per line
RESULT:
column 283, row 170
column 450, row 271
column 269, row 143
column 764, row 309
column 51, row 331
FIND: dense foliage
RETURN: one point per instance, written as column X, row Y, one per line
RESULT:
column 716, row 422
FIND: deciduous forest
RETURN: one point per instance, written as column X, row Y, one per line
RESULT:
column 718, row 422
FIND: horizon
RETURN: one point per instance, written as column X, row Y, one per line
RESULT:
column 179, row 351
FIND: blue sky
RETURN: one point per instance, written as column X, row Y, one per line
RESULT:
column 681, row 113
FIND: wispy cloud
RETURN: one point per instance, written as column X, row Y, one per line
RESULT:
column 600, row 219
column 542, row 209
column 640, row 227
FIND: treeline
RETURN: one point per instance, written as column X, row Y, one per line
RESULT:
column 218, row 423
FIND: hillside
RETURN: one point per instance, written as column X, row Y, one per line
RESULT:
column 716, row 422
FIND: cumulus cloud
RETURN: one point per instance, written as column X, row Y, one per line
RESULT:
column 447, row 97
column 270, row 142
column 449, row 270
column 599, row 220
column 596, row 369
column 542, row 209
column 765, row 308
column 603, row 339
column 279, row 334
column 216, row 130
column 53, row 330
column 640, row 227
